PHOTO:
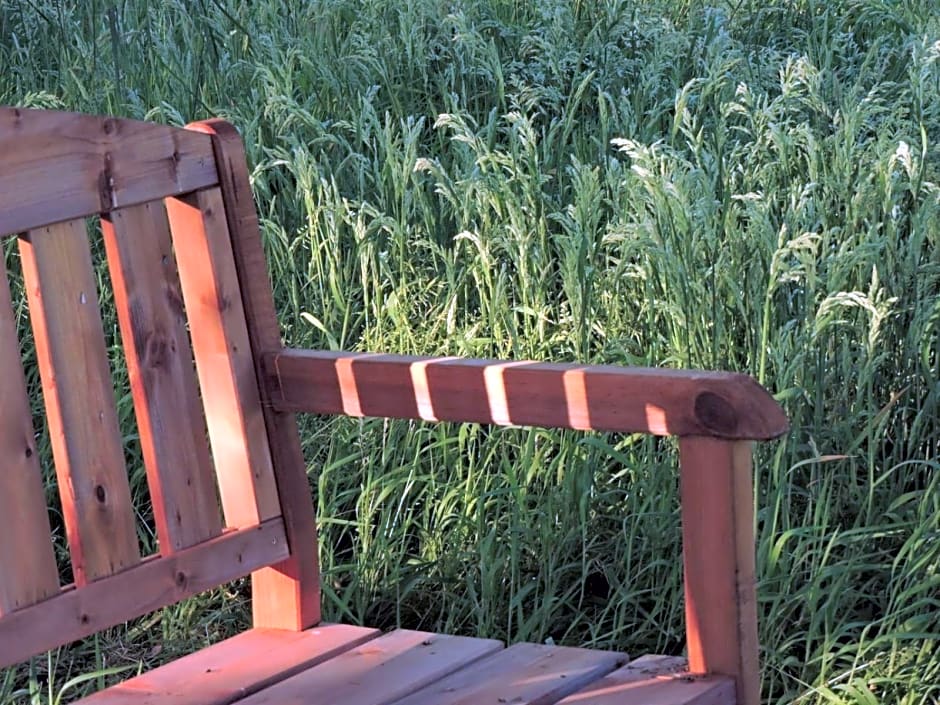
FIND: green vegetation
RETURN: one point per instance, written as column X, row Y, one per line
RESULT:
column 742, row 185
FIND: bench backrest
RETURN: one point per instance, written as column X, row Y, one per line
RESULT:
column 168, row 203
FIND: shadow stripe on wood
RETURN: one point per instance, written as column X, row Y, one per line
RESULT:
column 156, row 582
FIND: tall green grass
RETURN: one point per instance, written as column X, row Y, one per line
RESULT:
column 738, row 185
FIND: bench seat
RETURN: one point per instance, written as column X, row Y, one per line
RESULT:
column 339, row 664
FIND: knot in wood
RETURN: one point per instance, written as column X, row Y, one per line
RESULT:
column 159, row 350
column 715, row 413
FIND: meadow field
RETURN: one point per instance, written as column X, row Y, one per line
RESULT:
column 732, row 184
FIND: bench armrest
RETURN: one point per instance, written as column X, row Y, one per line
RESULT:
column 716, row 415
column 662, row 402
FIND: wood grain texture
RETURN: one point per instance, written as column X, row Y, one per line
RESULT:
column 655, row 680
column 630, row 400
column 28, row 571
column 286, row 595
column 79, row 397
column 235, row 668
column 163, row 381
column 380, row 671
column 716, row 488
column 156, row 582
column 523, row 674
column 224, row 361
column 61, row 166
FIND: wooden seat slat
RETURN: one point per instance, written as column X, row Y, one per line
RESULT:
column 523, row 674
column 79, row 397
column 656, row 680
column 379, row 672
column 163, row 380
column 233, row 669
column 29, row 572
column 224, row 359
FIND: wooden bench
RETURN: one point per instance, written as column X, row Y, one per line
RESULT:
column 214, row 393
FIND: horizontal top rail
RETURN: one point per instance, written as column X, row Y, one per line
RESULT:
column 661, row 402
column 61, row 166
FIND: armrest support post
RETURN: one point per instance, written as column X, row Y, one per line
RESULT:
column 716, row 489
column 286, row 595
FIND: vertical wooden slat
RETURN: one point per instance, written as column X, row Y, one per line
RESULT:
column 27, row 562
column 223, row 358
column 163, row 381
column 286, row 595
column 76, row 381
column 718, row 556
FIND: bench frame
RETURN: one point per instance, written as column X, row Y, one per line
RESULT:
column 60, row 168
